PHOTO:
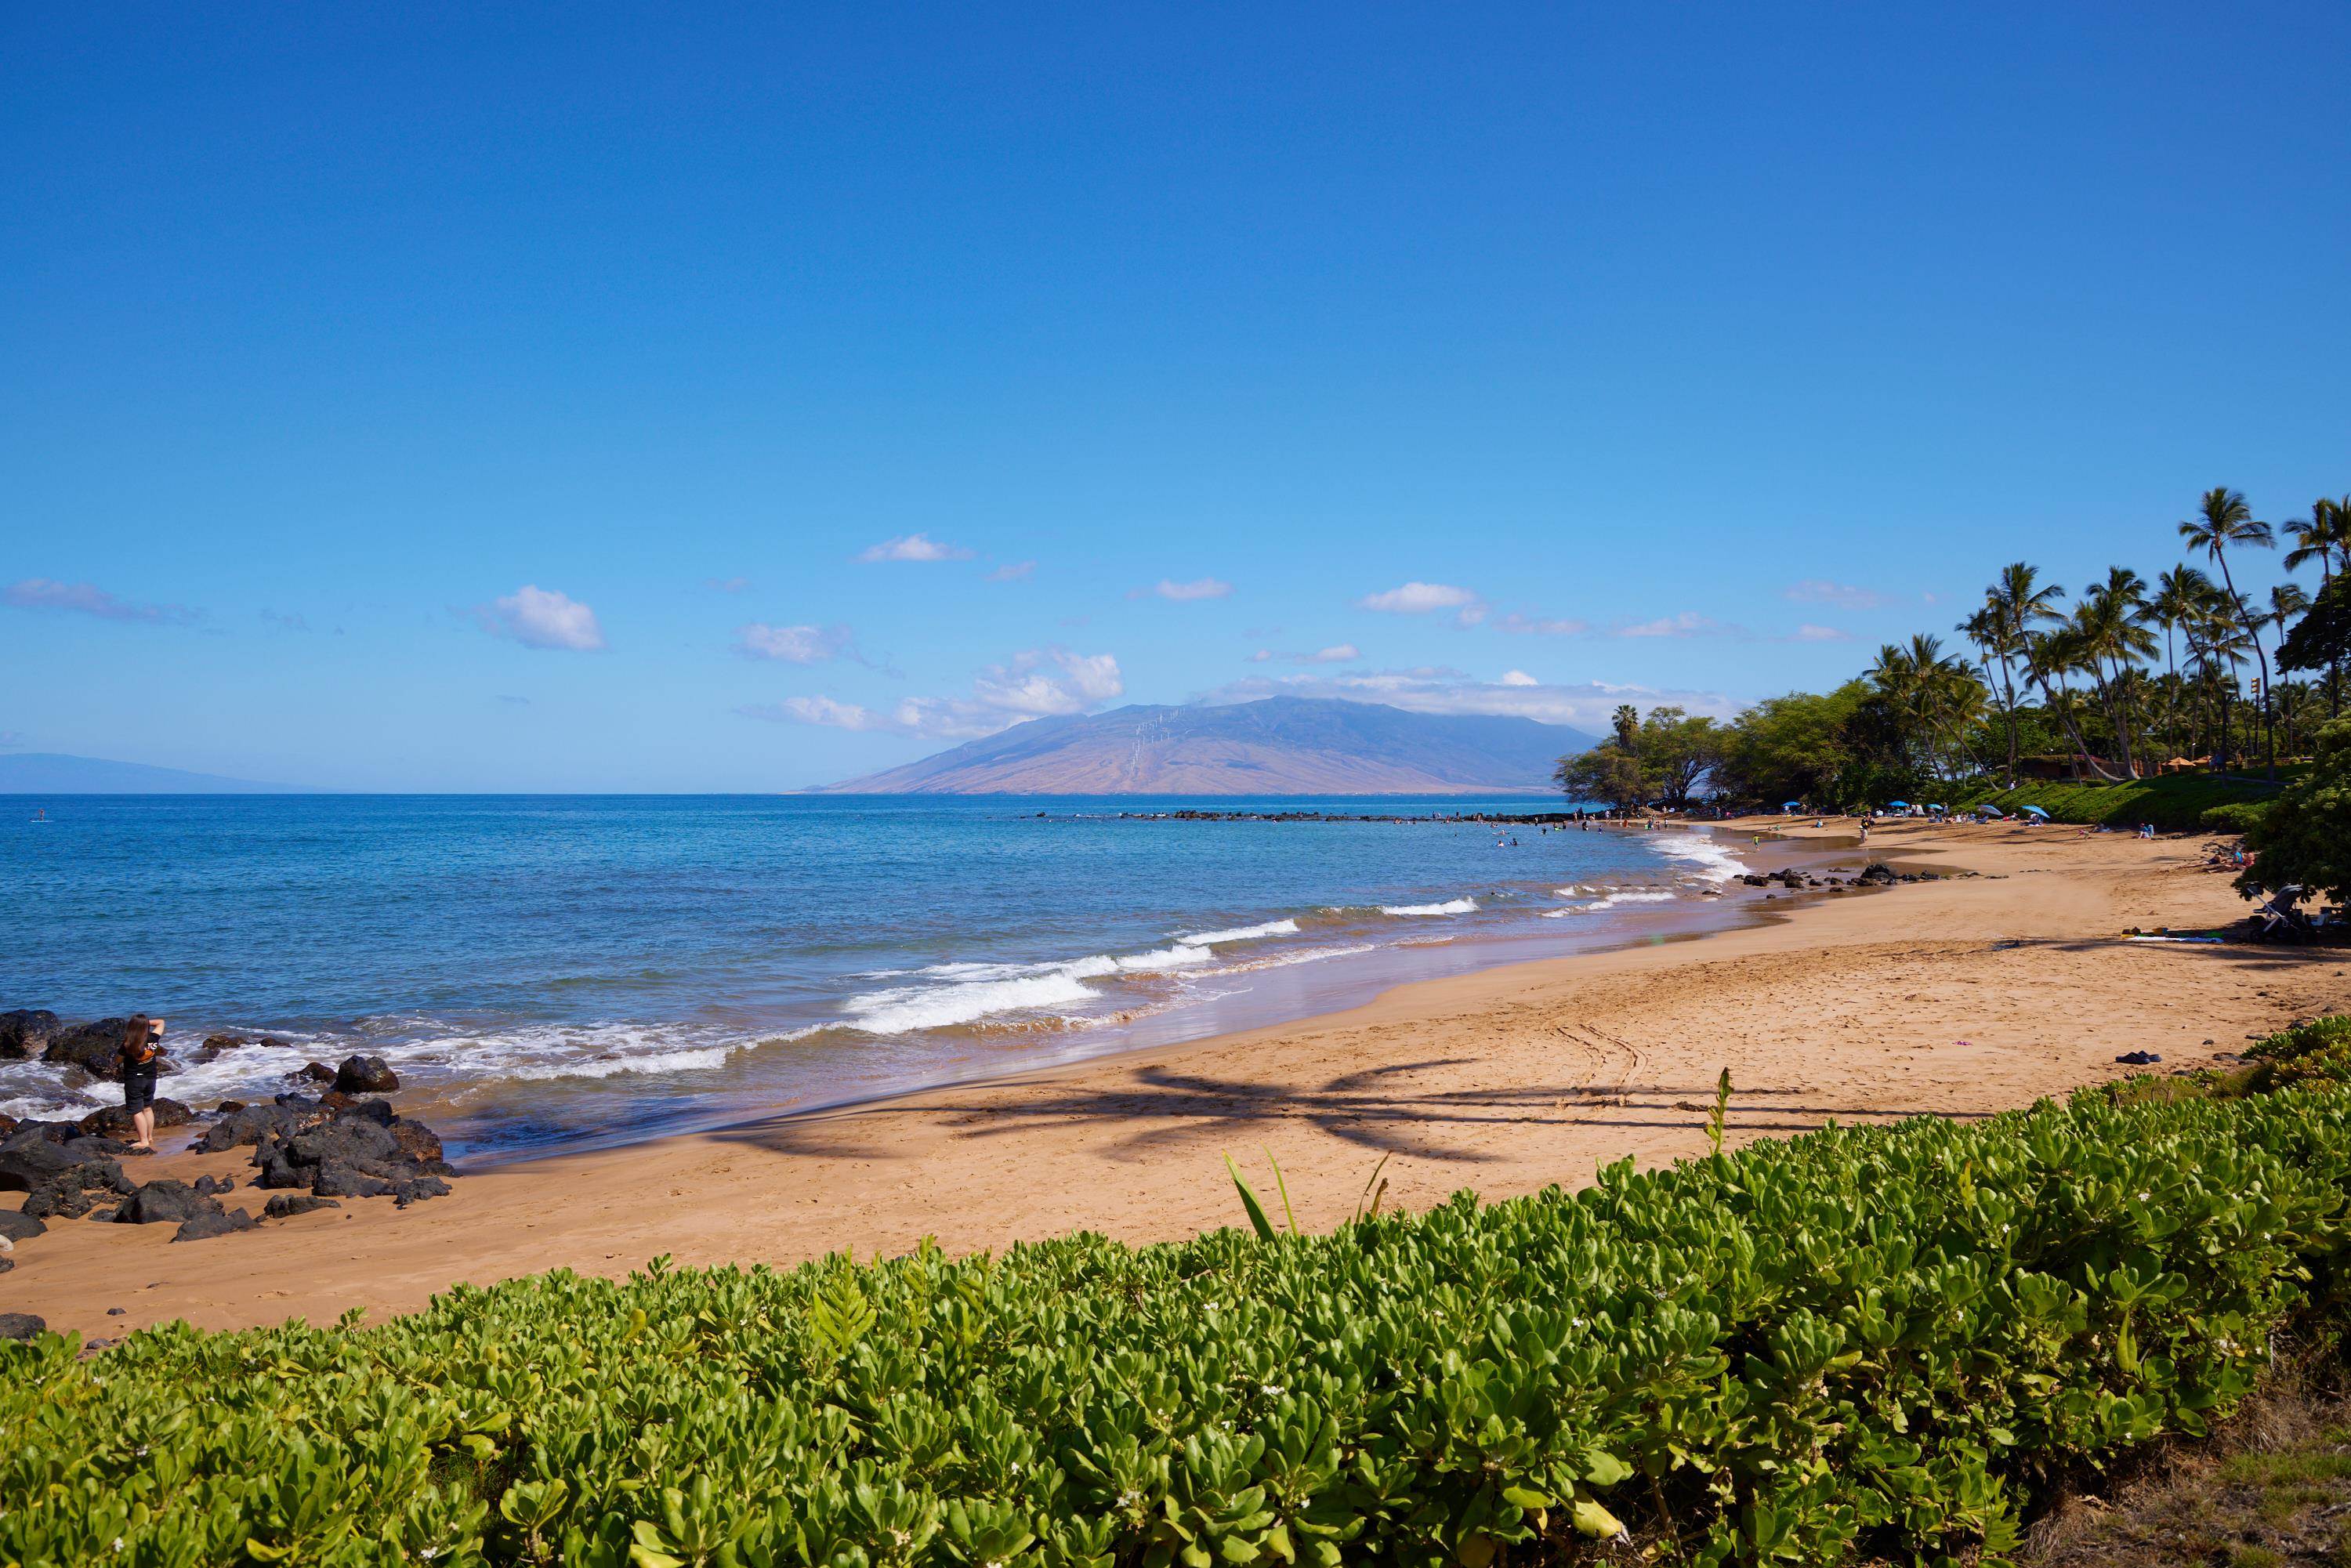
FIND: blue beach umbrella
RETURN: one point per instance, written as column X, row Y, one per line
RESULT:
column 1898, row 805
column 2036, row 812
column 1989, row 810
column 1792, row 805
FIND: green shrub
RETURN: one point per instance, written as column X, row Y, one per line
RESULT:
column 1860, row 1341
column 2176, row 804
column 2230, row 818
column 2320, row 1050
column 2305, row 838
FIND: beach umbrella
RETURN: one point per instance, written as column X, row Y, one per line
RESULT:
column 1988, row 811
column 1898, row 805
column 2036, row 812
column 1792, row 805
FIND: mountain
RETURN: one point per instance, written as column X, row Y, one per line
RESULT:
column 53, row 773
column 1280, row 746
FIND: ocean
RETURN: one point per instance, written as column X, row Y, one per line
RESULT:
column 548, row 972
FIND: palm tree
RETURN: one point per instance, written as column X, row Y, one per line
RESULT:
column 2111, row 624
column 2222, row 521
column 1627, row 725
column 2178, row 593
column 2016, row 602
column 2324, row 537
column 2053, row 654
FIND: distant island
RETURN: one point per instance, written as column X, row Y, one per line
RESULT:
column 54, row 773
column 1279, row 746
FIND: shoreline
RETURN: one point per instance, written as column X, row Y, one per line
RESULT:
column 1334, row 987
column 1957, row 997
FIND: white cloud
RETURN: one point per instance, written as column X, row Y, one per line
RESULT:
column 1419, row 599
column 1055, row 682
column 1337, row 653
column 1185, row 592
column 912, row 547
column 1844, row 596
column 1541, row 626
column 1810, row 633
column 1688, row 623
column 1012, row 571
column 726, row 584
column 796, row 644
column 543, row 618
column 824, row 711
column 1518, row 678
column 1587, row 706
column 1036, row 683
column 88, row 599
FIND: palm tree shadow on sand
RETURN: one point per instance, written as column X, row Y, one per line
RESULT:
column 1375, row 1108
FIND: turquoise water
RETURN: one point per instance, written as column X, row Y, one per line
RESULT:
column 551, row 969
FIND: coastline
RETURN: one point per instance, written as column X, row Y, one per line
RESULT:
column 1958, row 997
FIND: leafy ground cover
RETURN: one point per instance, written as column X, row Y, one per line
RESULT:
column 2174, row 804
column 1874, row 1343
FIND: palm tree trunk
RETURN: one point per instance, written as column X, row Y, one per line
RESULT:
column 2074, row 733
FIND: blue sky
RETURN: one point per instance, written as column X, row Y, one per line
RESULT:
column 436, row 397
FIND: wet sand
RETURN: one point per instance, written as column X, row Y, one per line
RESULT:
column 1957, row 998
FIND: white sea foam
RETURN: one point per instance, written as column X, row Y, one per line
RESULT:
column 904, row 1009
column 1713, row 857
column 706, row 1058
column 1284, row 959
column 1243, row 934
column 1450, row 906
column 1183, row 955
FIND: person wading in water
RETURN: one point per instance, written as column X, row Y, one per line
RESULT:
column 142, row 1044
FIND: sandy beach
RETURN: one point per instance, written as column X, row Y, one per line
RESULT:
column 1958, row 997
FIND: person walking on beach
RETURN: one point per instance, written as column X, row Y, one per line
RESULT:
column 141, row 1046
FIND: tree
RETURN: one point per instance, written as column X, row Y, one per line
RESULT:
column 2111, row 624
column 2321, row 638
column 2179, row 593
column 2016, row 603
column 2324, row 537
column 1607, row 772
column 2304, row 838
column 2224, row 521
column 1791, row 747
column 1627, row 723
column 1676, row 751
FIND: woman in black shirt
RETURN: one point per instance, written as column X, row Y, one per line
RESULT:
column 142, row 1045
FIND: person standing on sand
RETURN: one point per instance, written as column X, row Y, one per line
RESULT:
column 141, row 1046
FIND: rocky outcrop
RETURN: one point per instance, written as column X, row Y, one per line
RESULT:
column 359, row 1149
column 286, row 1205
column 165, row 1201
column 220, row 1222
column 15, row 1227
column 25, row 1033
column 365, row 1075
column 21, row 1325
column 114, row 1121
column 95, row 1048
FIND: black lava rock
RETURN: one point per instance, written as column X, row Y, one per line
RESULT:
column 286, row 1205
column 166, row 1202
column 365, row 1075
column 114, row 1121
column 21, row 1325
column 18, row 1226
column 25, row 1033
column 205, row 1226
